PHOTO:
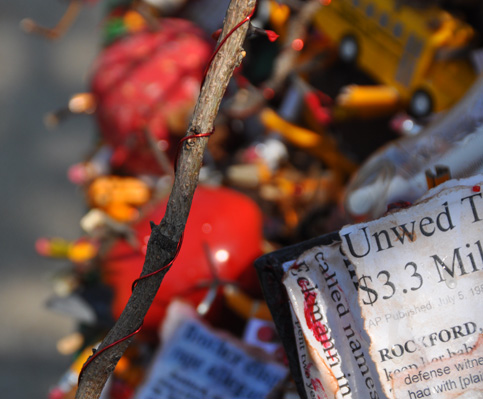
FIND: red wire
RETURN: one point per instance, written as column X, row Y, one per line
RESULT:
column 222, row 42
column 193, row 136
column 97, row 353
column 178, row 248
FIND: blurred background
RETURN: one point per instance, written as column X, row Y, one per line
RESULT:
column 38, row 76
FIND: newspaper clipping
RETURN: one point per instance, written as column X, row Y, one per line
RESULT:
column 394, row 309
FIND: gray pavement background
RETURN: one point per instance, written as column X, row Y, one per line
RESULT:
column 36, row 198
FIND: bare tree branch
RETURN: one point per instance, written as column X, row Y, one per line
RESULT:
column 165, row 237
column 297, row 29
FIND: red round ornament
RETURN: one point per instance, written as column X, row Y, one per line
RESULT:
column 223, row 237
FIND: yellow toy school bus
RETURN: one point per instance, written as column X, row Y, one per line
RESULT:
column 418, row 51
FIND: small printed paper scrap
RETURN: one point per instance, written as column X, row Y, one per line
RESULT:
column 197, row 362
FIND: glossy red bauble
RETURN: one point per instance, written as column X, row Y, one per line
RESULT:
column 224, row 227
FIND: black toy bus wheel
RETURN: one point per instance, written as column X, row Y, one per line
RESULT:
column 421, row 104
column 348, row 49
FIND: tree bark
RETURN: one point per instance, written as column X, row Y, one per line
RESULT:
column 164, row 237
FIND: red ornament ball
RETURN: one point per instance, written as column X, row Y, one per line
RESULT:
column 223, row 237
